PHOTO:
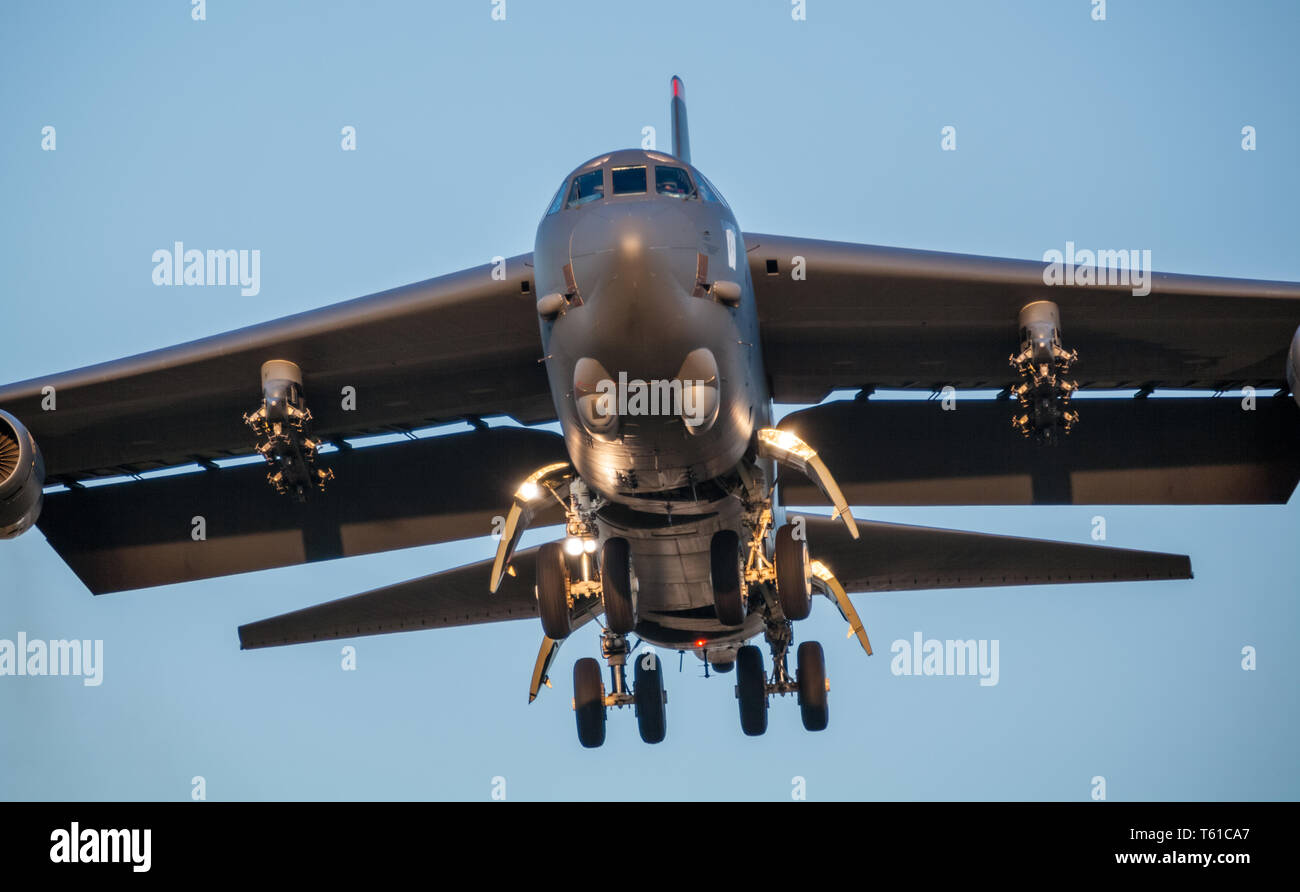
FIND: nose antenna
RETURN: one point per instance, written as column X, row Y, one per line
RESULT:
column 681, row 137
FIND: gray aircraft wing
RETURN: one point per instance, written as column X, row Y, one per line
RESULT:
column 865, row 316
column 1176, row 451
column 440, row 489
column 899, row 557
column 464, row 344
column 838, row 315
column 453, row 347
column 456, row 597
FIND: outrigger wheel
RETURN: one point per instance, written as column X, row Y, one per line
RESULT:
column 553, row 592
column 793, row 574
column 727, row 577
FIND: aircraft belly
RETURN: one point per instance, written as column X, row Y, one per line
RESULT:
column 672, row 573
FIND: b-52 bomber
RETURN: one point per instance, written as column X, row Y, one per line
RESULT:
column 659, row 334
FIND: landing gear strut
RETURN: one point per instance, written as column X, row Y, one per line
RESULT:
column 753, row 688
column 591, row 699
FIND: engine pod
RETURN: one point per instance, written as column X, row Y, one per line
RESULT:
column 1040, row 327
column 22, row 478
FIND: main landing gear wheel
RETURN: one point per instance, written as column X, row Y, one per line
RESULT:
column 751, row 690
column 651, row 717
column 812, row 686
column 793, row 574
column 589, row 702
column 727, row 577
column 616, row 586
column 553, row 592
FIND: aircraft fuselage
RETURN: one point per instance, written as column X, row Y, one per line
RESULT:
column 655, row 369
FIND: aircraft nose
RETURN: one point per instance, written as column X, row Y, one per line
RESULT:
column 632, row 254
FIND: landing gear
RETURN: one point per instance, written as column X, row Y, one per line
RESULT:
column 812, row 686
column 651, row 717
column 793, row 574
column 589, row 702
column 618, row 586
column 553, row 592
column 727, row 576
column 591, row 699
column 751, row 690
column 753, row 687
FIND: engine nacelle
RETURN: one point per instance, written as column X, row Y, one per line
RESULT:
column 1293, row 366
column 22, row 478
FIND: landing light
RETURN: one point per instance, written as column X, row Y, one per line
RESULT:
column 589, row 545
column 527, row 491
column 573, row 545
column 785, row 442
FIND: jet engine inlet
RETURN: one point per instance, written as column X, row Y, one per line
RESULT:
column 1043, row 364
column 22, row 477
column 282, row 425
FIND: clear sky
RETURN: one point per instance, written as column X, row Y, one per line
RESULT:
column 225, row 133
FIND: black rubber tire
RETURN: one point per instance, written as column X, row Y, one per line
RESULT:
column 616, row 586
column 812, row 686
column 589, row 702
column 751, row 690
column 723, row 668
column 793, row 579
column 651, row 714
column 726, row 577
column 553, row 591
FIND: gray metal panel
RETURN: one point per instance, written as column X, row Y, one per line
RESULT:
column 452, row 598
column 1178, row 451
column 897, row 557
column 890, row 317
column 457, row 345
column 137, row 535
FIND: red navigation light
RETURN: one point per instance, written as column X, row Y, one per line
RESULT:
column 677, row 85
column 700, row 643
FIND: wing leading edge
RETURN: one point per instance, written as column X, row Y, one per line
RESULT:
column 866, row 316
column 464, row 344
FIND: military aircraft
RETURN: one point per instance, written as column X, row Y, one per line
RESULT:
column 658, row 334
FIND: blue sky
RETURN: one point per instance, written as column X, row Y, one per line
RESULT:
column 225, row 133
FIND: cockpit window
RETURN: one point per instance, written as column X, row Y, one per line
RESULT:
column 628, row 180
column 709, row 192
column 587, row 187
column 673, row 181
column 558, row 200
